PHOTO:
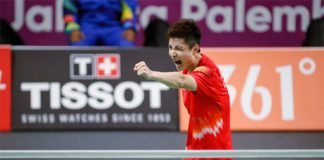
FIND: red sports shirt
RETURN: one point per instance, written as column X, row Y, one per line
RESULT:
column 208, row 107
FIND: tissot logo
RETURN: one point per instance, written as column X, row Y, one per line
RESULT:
column 94, row 66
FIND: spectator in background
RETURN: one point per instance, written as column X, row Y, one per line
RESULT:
column 8, row 35
column 315, row 33
column 156, row 33
column 100, row 22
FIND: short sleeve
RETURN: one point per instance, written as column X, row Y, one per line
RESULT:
column 203, row 77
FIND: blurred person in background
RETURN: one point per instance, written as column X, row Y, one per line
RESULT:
column 204, row 90
column 315, row 33
column 155, row 33
column 8, row 35
column 100, row 22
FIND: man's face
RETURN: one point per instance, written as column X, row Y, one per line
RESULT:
column 180, row 53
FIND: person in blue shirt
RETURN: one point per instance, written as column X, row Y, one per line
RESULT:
column 100, row 22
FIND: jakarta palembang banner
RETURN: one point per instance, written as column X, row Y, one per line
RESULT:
column 90, row 88
column 223, row 22
column 271, row 88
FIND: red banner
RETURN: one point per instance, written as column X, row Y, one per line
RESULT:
column 5, row 88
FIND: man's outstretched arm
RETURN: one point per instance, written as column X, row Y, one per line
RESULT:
column 171, row 79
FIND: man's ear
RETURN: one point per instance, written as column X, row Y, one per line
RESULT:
column 196, row 48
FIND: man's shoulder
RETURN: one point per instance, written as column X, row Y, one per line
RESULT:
column 208, row 62
column 202, row 69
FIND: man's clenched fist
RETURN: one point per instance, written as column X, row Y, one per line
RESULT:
column 143, row 70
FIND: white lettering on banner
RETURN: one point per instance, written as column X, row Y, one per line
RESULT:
column 159, row 11
column 59, row 22
column 291, row 14
column 19, row 15
column 82, row 63
column 3, row 86
column 155, row 92
column 308, row 61
column 83, row 118
column 74, row 97
column 286, row 89
column 101, row 94
column 258, row 17
column 94, row 118
column 226, row 25
column 55, row 95
column 227, row 71
column 35, row 89
column 64, row 118
column 127, row 118
column 138, row 95
column 186, row 11
column 249, row 88
column 46, row 12
column 318, row 9
column 37, row 118
column 159, row 117
column 239, row 20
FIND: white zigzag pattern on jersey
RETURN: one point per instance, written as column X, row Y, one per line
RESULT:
column 209, row 130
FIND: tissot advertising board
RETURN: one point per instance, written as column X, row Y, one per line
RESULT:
column 91, row 89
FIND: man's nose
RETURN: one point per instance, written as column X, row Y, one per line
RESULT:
column 173, row 53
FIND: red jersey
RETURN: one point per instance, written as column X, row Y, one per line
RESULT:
column 208, row 107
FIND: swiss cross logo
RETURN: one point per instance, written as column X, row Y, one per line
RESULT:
column 94, row 66
column 108, row 66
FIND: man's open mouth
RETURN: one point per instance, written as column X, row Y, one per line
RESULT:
column 177, row 62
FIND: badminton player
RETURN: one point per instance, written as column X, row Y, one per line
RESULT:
column 204, row 91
